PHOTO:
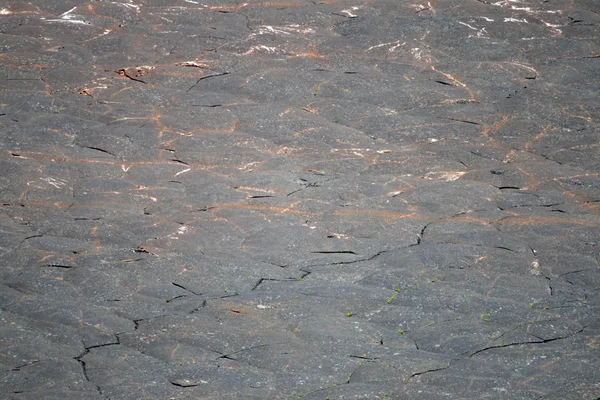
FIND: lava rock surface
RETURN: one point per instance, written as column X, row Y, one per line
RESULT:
column 334, row 199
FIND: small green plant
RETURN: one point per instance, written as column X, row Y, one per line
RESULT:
column 485, row 315
column 349, row 314
column 389, row 301
column 318, row 88
column 401, row 331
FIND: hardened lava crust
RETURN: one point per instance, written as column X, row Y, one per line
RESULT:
column 336, row 199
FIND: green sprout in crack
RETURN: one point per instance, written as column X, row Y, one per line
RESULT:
column 401, row 331
column 349, row 314
column 350, row 376
column 389, row 301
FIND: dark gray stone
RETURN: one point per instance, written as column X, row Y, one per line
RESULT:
column 283, row 200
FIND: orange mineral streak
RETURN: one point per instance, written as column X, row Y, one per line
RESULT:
column 547, row 364
column 457, row 82
column 547, row 220
column 311, row 53
column 591, row 206
column 470, row 219
column 494, row 128
column 384, row 214
column 533, row 181
column 292, row 210
column 174, row 351
column 538, row 136
column 413, row 216
column 46, row 257
column 271, row 209
column 45, row 204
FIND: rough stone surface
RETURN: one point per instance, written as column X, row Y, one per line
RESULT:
column 366, row 199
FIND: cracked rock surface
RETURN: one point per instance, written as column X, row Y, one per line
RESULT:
column 366, row 199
